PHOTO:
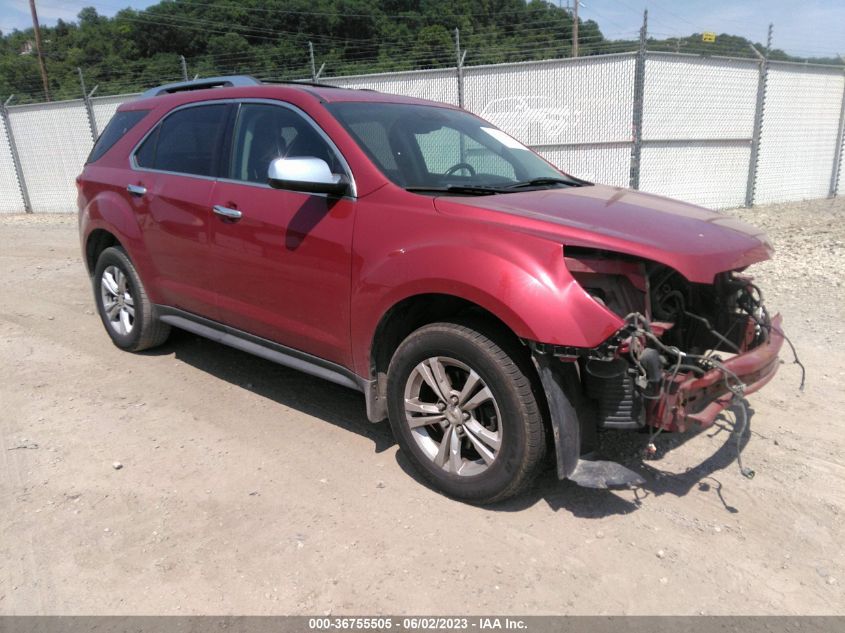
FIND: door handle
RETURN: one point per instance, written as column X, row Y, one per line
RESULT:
column 136, row 190
column 226, row 212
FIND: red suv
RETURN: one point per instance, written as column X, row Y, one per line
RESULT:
column 491, row 306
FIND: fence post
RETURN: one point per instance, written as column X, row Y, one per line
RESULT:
column 16, row 160
column 92, row 122
column 837, row 157
column 639, row 97
column 313, row 62
column 184, row 65
column 757, row 131
column 315, row 74
column 459, row 68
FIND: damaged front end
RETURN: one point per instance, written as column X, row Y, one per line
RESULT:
column 685, row 352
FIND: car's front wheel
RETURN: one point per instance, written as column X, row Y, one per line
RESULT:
column 127, row 314
column 463, row 409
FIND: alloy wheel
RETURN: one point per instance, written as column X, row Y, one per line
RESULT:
column 453, row 416
column 118, row 302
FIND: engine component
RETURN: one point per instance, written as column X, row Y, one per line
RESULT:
column 610, row 384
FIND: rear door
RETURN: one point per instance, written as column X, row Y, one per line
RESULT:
column 175, row 168
column 282, row 270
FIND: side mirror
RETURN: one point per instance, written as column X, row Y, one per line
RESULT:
column 311, row 175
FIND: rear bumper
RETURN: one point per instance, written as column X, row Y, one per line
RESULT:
column 699, row 399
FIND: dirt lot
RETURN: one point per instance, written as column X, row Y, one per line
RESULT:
column 249, row 488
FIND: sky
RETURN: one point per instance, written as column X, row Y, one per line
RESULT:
column 807, row 28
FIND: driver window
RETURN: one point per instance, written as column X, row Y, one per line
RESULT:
column 445, row 148
column 264, row 132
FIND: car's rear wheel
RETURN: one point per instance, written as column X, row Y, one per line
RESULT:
column 463, row 410
column 127, row 313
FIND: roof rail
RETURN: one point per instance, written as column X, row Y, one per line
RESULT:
column 299, row 82
column 201, row 84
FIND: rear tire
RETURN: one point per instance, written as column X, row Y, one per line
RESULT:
column 463, row 410
column 125, row 310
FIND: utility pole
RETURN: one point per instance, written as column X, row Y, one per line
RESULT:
column 184, row 67
column 38, row 49
column 575, row 28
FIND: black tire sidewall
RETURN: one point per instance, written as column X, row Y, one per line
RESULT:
column 498, row 477
column 116, row 257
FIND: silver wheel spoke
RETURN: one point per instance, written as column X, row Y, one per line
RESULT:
column 425, row 371
column 130, row 310
column 469, row 387
column 124, row 321
column 478, row 399
column 443, row 451
column 478, row 432
column 120, row 279
column 455, row 461
column 435, row 377
column 486, row 454
column 425, row 420
column 109, row 283
column 113, row 310
column 415, row 406
column 441, row 377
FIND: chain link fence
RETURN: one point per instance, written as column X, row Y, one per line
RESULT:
column 574, row 112
column 801, row 124
column 715, row 131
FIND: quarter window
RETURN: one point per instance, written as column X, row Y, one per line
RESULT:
column 117, row 128
column 185, row 142
column 265, row 132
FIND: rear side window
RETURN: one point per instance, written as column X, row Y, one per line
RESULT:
column 186, row 141
column 119, row 125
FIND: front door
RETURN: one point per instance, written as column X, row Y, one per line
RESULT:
column 282, row 269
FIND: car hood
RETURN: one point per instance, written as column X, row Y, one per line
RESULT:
column 696, row 242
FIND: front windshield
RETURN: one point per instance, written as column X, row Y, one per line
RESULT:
column 423, row 147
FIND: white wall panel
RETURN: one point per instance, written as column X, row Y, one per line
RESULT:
column 800, row 125
column 698, row 120
column 53, row 140
column 712, row 175
column 690, row 97
column 608, row 165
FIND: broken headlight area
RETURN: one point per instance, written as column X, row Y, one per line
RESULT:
column 686, row 351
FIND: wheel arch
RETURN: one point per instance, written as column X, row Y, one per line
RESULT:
column 97, row 241
column 415, row 311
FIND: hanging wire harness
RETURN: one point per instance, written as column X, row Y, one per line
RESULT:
column 662, row 370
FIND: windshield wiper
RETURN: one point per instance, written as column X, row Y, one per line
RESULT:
column 540, row 182
column 472, row 190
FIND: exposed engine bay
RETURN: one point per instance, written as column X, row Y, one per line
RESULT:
column 686, row 351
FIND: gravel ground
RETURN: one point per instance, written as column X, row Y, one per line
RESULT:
column 246, row 488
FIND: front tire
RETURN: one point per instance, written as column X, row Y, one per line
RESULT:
column 125, row 310
column 463, row 410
